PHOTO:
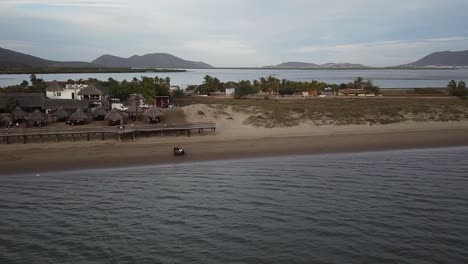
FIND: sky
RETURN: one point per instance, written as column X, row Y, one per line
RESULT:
column 245, row 33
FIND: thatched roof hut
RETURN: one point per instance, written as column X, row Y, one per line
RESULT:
column 78, row 115
column 67, row 104
column 98, row 112
column 37, row 116
column 61, row 113
column 18, row 113
column 153, row 112
column 28, row 101
column 114, row 116
column 54, row 87
column 93, row 89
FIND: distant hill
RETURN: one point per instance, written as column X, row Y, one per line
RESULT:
column 306, row 65
column 154, row 60
column 442, row 59
column 13, row 59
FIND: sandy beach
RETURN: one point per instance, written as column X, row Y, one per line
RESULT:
column 231, row 141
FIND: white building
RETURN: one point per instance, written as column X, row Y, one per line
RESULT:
column 230, row 91
column 70, row 91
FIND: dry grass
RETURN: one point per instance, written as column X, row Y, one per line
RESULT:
column 341, row 111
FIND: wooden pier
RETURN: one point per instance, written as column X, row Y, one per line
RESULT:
column 18, row 135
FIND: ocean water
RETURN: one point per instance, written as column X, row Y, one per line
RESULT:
column 388, row 78
column 379, row 207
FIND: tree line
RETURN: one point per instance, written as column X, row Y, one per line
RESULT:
column 458, row 90
column 147, row 86
column 272, row 85
column 151, row 87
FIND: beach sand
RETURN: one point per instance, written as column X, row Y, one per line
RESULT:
column 232, row 140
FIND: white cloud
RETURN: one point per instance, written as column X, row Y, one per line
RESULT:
column 381, row 53
column 238, row 33
column 16, row 44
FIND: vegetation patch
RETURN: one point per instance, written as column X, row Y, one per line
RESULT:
column 344, row 111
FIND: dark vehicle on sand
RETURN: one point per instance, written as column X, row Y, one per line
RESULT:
column 179, row 151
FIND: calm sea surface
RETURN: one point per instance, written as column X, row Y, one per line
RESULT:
column 383, row 207
column 383, row 78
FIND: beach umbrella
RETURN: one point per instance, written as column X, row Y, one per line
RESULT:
column 61, row 113
column 114, row 116
column 18, row 113
column 37, row 116
column 98, row 111
column 78, row 115
column 153, row 112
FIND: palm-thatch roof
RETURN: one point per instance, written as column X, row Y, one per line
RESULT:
column 54, row 87
column 68, row 104
column 93, row 89
column 231, row 85
column 18, row 113
column 78, row 115
column 61, row 113
column 98, row 111
column 37, row 116
column 153, row 112
column 26, row 100
column 114, row 116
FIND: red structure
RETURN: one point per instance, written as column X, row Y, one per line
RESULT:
column 162, row 101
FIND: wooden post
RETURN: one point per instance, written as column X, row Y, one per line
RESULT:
column 133, row 133
column 188, row 132
column 118, row 136
column 102, row 135
column 24, row 139
column 56, row 137
column 7, row 139
column 73, row 137
column 87, row 136
column 147, row 134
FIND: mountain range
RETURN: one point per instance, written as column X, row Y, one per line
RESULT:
column 441, row 59
column 13, row 59
column 154, row 60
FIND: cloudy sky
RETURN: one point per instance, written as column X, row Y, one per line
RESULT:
column 237, row 33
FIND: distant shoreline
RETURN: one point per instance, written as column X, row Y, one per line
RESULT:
column 83, row 70
column 132, row 70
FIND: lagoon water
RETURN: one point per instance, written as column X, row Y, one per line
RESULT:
column 385, row 78
column 382, row 207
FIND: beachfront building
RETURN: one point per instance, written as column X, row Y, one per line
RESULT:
column 355, row 92
column 162, row 101
column 230, row 91
column 57, row 90
column 230, row 88
column 95, row 94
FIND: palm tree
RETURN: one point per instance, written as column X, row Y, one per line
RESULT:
column 452, row 86
column 358, row 82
